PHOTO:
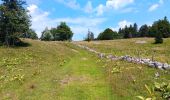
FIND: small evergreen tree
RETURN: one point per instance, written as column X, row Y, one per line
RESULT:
column 90, row 36
column 158, row 38
column 46, row 35
column 144, row 31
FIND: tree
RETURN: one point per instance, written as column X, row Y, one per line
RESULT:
column 30, row 34
column 135, row 30
column 64, row 32
column 144, row 31
column 55, row 34
column 108, row 34
column 14, row 20
column 159, row 29
column 161, row 26
column 128, row 31
column 158, row 38
column 166, row 27
column 46, row 35
column 90, row 36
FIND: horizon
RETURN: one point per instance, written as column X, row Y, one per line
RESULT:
column 81, row 15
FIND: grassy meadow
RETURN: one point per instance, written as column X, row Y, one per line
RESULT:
column 63, row 71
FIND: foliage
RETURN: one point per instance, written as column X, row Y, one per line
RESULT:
column 150, row 92
column 30, row 34
column 14, row 20
column 144, row 31
column 90, row 36
column 61, row 33
column 47, row 35
column 161, row 28
column 164, row 88
column 108, row 34
column 129, row 32
column 158, row 38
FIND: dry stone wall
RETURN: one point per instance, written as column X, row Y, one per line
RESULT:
column 145, row 61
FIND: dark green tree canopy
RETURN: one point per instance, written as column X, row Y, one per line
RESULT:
column 108, row 34
column 161, row 26
column 64, row 32
column 144, row 31
column 14, row 20
column 29, row 34
column 61, row 33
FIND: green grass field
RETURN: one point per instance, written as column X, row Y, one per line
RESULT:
column 63, row 71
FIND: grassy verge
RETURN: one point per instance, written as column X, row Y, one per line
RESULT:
column 51, row 70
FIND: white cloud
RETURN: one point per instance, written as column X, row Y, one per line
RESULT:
column 70, row 3
column 100, row 10
column 114, row 4
column 156, row 6
column 117, row 4
column 122, row 24
column 153, row 7
column 79, row 25
column 32, row 8
column 88, row 8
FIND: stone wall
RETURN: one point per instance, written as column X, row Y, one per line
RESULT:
column 145, row 61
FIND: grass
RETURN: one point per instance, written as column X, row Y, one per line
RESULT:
column 51, row 70
column 131, row 78
column 62, row 71
column 132, row 47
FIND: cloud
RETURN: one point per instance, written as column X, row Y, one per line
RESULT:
column 114, row 5
column 155, row 6
column 100, row 10
column 88, row 8
column 79, row 25
column 117, row 4
column 122, row 24
column 32, row 8
column 70, row 3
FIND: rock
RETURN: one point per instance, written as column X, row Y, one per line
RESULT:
column 165, row 66
column 158, row 65
column 151, row 64
column 101, row 55
column 109, row 56
column 128, row 58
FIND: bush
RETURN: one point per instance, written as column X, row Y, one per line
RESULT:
column 108, row 34
column 158, row 38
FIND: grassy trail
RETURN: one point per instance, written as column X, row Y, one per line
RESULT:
column 84, row 79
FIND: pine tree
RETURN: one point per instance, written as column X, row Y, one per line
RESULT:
column 158, row 38
column 90, row 36
column 46, row 35
column 14, row 20
column 144, row 31
column 64, row 32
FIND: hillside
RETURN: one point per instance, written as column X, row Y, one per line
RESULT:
column 61, row 70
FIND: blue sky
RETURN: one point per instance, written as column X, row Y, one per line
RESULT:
column 95, row 15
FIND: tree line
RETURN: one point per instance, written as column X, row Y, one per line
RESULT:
column 15, row 23
column 61, row 33
column 159, row 29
